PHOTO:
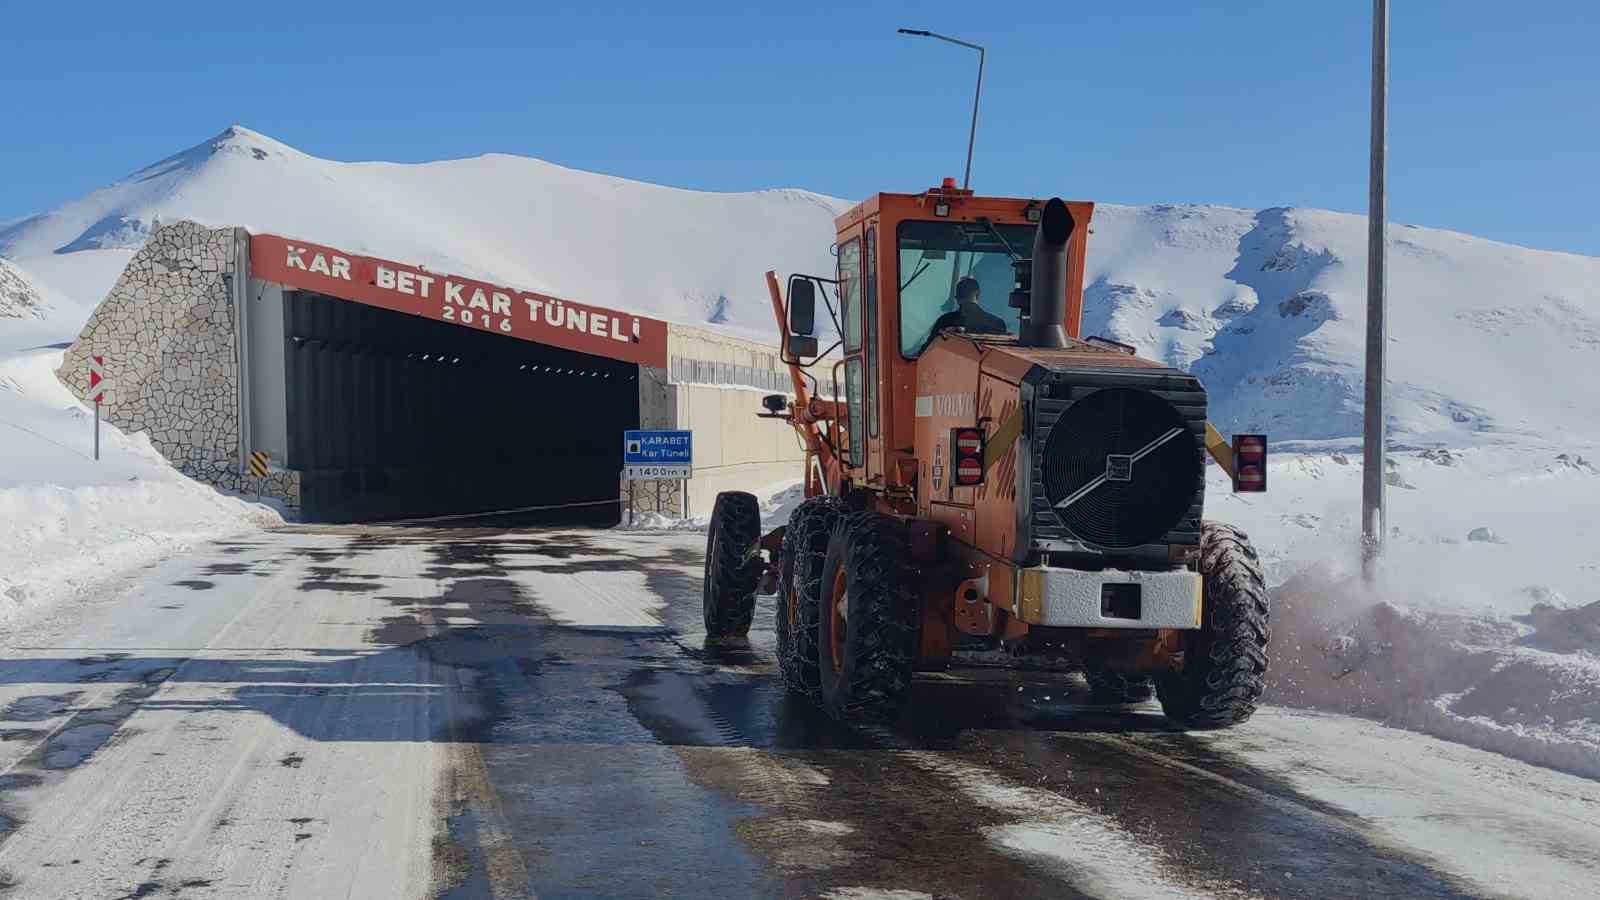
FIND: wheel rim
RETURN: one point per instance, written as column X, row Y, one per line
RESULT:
column 837, row 611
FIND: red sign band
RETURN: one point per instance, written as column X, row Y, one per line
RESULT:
column 460, row 301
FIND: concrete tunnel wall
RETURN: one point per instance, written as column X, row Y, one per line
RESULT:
column 734, row 450
column 167, row 331
column 172, row 336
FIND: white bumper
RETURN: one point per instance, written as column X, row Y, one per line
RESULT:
column 1109, row 599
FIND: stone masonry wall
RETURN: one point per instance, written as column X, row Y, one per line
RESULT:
column 166, row 331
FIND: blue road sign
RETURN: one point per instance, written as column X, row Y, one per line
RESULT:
column 657, row 448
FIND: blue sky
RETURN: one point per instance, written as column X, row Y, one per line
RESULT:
column 1495, row 107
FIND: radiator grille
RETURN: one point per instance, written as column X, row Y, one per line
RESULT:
column 1087, row 427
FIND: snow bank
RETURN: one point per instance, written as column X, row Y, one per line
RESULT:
column 69, row 523
column 1480, row 680
column 777, row 501
column 1493, row 643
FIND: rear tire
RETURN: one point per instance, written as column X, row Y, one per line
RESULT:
column 1225, row 662
column 866, row 656
column 805, row 545
column 1115, row 687
column 733, row 565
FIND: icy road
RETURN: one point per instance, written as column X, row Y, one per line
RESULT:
column 492, row 712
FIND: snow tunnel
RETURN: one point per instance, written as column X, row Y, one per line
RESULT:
column 387, row 391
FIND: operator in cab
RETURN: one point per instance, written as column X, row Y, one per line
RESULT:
column 975, row 318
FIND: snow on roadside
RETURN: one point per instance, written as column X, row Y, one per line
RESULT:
column 69, row 523
column 1483, row 626
column 1057, row 832
column 1482, row 680
column 1489, row 821
column 776, row 500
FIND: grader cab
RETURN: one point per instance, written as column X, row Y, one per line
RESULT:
column 983, row 483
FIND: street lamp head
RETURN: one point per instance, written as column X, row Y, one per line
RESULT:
column 972, row 134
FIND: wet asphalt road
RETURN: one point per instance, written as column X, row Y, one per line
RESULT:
column 487, row 711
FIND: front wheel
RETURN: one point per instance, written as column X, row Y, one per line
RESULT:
column 1224, row 662
column 805, row 547
column 867, row 617
column 733, row 565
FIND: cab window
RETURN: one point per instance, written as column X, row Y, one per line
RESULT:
column 854, row 377
column 870, row 303
column 850, row 293
column 936, row 257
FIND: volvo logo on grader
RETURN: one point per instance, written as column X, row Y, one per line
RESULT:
column 462, row 301
column 1093, row 555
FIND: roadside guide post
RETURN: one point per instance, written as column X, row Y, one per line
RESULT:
column 258, row 468
column 97, row 387
column 657, row 455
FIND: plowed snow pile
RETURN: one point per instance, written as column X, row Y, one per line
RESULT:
column 1483, row 625
column 70, row 523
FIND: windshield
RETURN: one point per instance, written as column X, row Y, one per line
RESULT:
column 935, row 260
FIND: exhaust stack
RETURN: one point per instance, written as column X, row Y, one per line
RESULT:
column 1047, row 309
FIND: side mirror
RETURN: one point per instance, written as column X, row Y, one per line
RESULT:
column 801, row 341
column 802, row 346
column 802, row 306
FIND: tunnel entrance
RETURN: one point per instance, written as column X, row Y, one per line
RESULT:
column 390, row 415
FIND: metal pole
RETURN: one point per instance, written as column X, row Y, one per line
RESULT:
column 97, row 429
column 972, row 135
column 1373, row 435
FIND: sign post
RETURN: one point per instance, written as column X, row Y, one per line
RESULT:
column 97, row 390
column 258, row 468
column 657, row 455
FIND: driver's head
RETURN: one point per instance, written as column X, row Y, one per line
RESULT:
column 967, row 290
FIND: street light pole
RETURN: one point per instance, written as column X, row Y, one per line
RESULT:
column 972, row 134
column 1373, row 432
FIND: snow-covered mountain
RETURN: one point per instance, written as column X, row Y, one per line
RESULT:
column 18, row 297
column 686, row 256
column 1267, row 306
column 1487, row 340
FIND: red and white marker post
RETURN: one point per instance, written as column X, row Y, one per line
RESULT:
column 97, row 391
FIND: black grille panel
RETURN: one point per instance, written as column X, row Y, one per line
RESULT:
column 1079, row 419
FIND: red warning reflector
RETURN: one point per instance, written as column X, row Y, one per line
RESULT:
column 966, row 455
column 1250, row 463
column 969, row 471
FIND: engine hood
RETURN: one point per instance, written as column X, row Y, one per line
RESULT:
column 1013, row 363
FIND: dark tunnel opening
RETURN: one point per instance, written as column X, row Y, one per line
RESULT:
column 394, row 416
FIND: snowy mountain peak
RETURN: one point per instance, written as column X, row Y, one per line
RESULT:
column 235, row 140
column 508, row 219
column 1268, row 307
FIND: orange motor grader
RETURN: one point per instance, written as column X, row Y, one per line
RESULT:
column 990, row 486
